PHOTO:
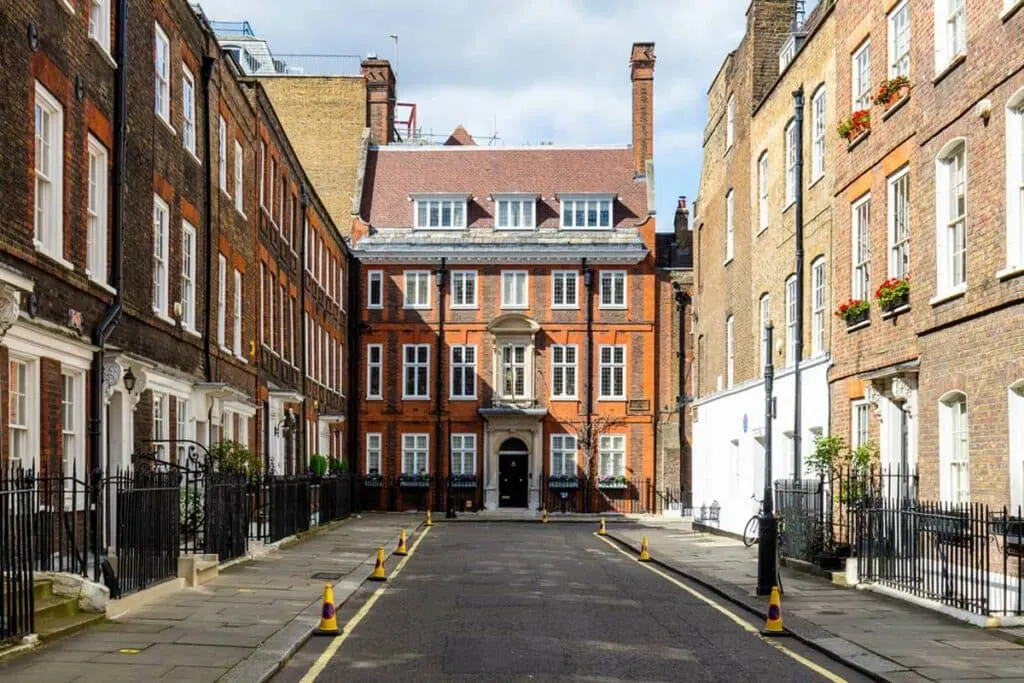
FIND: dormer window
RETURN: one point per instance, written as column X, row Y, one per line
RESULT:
column 515, row 211
column 440, row 212
column 787, row 53
column 586, row 212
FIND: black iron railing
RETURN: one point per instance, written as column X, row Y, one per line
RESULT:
column 147, row 539
column 17, row 538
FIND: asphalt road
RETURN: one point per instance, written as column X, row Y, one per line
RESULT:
column 515, row 602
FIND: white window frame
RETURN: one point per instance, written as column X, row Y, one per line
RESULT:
column 515, row 212
column 222, row 303
column 818, row 283
column 464, row 289
column 730, row 227
column 577, row 208
column 374, row 441
column 416, row 282
column 762, row 191
column 789, row 140
column 188, row 110
column 898, row 220
column 616, row 367
column 898, row 21
column 161, row 256
column 765, row 315
column 951, row 231
column 272, row 181
column 413, row 369
column 860, row 84
column 950, row 32
column 162, row 74
column 239, row 179
column 564, row 278
column 564, row 452
column 429, row 212
column 282, row 295
column 612, row 285
column 49, row 179
column 415, row 448
column 182, row 426
column 161, row 422
column 730, row 122
column 263, row 174
column 730, row 350
column 96, row 208
column 1015, row 182
column 860, row 236
column 28, row 427
column 564, row 372
column 292, row 354
column 860, row 423
column 99, row 23
column 236, row 323
column 188, row 276
column 818, row 104
column 510, row 288
column 222, row 153
column 519, row 370
column 611, row 455
column 465, row 369
column 72, row 413
column 375, row 277
column 463, row 458
column 1015, row 410
column 954, row 448
column 791, row 287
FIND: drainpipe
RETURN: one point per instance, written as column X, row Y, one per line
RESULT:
column 588, row 282
column 684, row 457
column 303, row 331
column 798, row 211
column 355, row 378
column 438, row 387
column 112, row 315
column 207, row 73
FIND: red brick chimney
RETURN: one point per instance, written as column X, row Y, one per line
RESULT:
column 641, row 62
column 380, row 99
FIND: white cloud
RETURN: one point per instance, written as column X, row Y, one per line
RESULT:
column 536, row 70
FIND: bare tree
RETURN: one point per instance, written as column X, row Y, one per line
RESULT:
column 589, row 440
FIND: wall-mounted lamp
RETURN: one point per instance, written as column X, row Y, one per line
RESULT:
column 129, row 380
column 984, row 110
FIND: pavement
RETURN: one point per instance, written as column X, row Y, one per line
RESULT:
column 884, row 637
column 514, row 602
column 240, row 626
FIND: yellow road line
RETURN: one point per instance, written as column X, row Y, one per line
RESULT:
column 743, row 623
column 321, row 663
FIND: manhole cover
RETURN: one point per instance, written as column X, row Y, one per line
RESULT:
column 326, row 576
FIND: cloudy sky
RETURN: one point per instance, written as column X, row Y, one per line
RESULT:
column 529, row 70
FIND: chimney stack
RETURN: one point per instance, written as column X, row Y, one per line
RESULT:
column 641, row 64
column 380, row 99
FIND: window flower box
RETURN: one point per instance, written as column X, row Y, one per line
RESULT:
column 893, row 293
column 373, row 480
column 854, row 312
column 463, row 481
column 612, row 482
column 856, row 125
column 411, row 480
column 891, row 91
column 561, row 481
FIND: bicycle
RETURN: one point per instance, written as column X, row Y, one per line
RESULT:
column 751, row 535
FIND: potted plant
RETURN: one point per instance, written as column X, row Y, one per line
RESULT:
column 563, row 481
column 893, row 293
column 463, row 481
column 854, row 311
column 337, row 466
column 414, row 479
column 612, row 481
column 858, row 123
column 317, row 465
column 891, row 91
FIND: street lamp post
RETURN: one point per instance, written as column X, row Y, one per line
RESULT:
column 767, row 526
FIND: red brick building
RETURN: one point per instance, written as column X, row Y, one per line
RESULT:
column 508, row 312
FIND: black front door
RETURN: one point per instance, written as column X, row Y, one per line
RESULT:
column 512, row 480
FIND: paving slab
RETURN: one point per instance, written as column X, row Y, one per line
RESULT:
column 241, row 626
column 890, row 639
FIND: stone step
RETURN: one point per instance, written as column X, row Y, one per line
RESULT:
column 56, row 607
column 42, row 590
column 53, row 627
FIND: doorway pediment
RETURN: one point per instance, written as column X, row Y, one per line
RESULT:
column 513, row 324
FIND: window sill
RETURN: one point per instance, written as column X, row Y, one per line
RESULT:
column 527, row 228
column 370, row 307
column 1011, row 10
column 857, row 140
column 167, row 124
column 727, row 261
column 195, row 158
column 949, row 68
column 565, row 307
column 102, row 285
column 374, row 398
column 616, row 307
column 195, row 333
column 896, row 312
column 240, row 358
column 224, row 349
column 66, row 6
column 415, row 308
column 462, row 398
column 612, row 399
column 565, row 399
column 60, row 260
column 520, row 307
column 789, row 204
column 852, row 328
column 761, row 231
column 103, row 51
column 1011, row 271
column 463, row 307
column 165, row 318
column 949, row 295
column 241, row 214
column 413, row 398
column 816, row 180
column 895, row 107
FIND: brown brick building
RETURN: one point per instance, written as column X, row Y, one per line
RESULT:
column 508, row 301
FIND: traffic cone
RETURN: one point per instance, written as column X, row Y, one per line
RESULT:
column 602, row 531
column 402, row 550
column 378, row 570
column 328, row 615
column 773, row 624
column 429, row 521
column 544, row 516
column 644, row 555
